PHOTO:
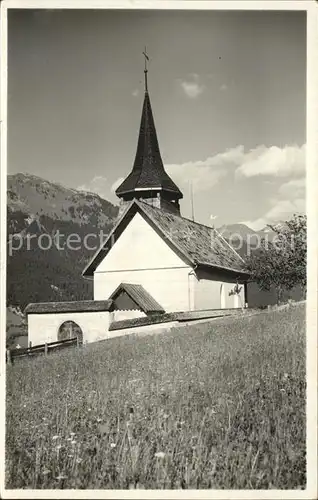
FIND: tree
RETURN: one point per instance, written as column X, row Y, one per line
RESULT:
column 281, row 262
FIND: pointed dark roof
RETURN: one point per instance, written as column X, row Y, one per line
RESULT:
column 148, row 170
column 195, row 243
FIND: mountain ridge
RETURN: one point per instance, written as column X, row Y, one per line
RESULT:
column 37, row 196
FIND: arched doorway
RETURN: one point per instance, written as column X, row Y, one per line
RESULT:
column 70, row 330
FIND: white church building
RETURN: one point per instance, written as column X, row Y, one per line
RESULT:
column 154, row 261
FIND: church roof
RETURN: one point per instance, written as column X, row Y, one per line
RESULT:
column 196, row 244
column 148, row 171
column 140, row 296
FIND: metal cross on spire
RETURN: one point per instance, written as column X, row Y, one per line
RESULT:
column 146, row 69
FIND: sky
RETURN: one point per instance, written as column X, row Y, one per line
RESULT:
column 228, row 93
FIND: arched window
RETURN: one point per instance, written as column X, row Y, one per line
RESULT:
column 70, row 330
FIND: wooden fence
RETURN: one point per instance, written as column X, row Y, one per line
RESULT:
column 45, row 349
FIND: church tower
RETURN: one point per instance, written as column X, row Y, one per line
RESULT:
column 148, row 181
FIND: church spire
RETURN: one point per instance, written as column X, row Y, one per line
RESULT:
column 148, row 180
column 146, row 69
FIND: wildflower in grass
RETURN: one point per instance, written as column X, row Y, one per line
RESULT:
column 79, row 460
column 139, row 486
column 160, row 454
column 58, row 447
column 61, row 477
column 89, row 409
column 45, row 472
column 99, row 420
column 72, row 434
column 112, row 445
column 73, row 442
column 54, row 438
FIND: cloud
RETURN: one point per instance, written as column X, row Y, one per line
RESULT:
column 116, row 184
column 135, row 92
column 280, row 210
column 273, row 161
column 192, row 87
column 295, row 188
column 98, row 185
column 101, row 186
column 204, row 174
column 223, row 87
column 283, row 209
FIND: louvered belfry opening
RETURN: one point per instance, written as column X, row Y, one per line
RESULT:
column 148, row 181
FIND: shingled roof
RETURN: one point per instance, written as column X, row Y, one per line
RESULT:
column 196, row 244
column 140, row 297
column 67, row 307
column 148, row 171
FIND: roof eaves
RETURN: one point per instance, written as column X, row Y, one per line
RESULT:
column 223, row 268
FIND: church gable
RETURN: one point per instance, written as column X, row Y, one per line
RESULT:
column 139, row 246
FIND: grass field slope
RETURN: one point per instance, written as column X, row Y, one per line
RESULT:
column 215, row 405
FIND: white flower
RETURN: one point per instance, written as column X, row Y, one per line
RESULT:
column 160, row 454
column 60, row 477
column 54, row 438
column 112, row 445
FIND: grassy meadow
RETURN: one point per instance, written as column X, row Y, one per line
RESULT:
column 219, row 405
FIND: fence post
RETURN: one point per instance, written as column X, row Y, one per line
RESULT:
column 9, row 359
column 77, row 342
column 45, row 349
column 30, row 344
